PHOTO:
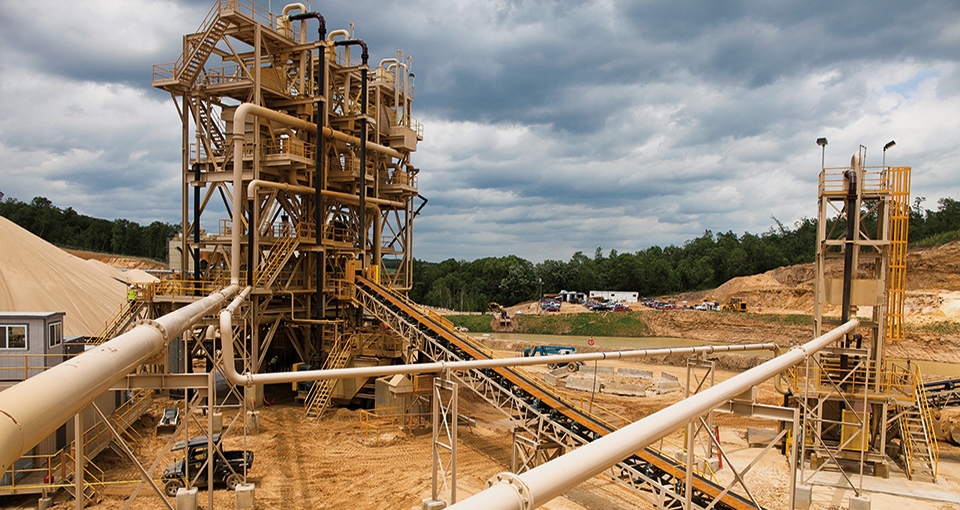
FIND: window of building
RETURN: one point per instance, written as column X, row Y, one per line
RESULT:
column 13, row 337
column 55, row 334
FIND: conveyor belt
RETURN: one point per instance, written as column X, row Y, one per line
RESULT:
column 441, row 342
column 943, row 393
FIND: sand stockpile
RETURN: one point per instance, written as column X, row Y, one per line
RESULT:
column 36, row 276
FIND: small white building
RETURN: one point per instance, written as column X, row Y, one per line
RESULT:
column 620, row 296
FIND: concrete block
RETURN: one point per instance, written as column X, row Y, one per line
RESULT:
column 625, row 389
column 881, row 469
column 583, row 384
column 432, row 504
column 635, row 373
column 667, row 376
column 245, row 496
column 44, row 503
column 668, row 386
column 549, row 379
column 803, row 497
column 860, row 503
column 253, row 422
column 187, row 498
column 560, row 372
column 714, row 465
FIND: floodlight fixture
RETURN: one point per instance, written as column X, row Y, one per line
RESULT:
column 889, row 144
column 822, row 142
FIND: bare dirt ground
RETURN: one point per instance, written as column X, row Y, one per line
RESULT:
column 301, row 463
column 119, row 261
column 331, row 463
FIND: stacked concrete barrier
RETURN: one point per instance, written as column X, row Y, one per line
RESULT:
column 635, row 373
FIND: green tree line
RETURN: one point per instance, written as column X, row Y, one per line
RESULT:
column 67, row 228
column 701, row 263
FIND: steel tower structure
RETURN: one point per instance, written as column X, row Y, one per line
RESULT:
column 323, row 183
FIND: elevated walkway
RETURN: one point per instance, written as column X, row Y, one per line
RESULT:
column 542, row 412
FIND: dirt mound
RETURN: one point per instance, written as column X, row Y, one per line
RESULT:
column 119, row 261
column 932, row 285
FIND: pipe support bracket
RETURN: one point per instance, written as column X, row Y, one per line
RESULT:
column 514, row 482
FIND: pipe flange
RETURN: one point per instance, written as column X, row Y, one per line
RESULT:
column 523, row 492
column 153, row 324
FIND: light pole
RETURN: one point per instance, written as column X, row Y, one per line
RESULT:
column 889, row 144
column 822, row 142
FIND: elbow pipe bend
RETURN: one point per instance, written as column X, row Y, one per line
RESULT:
column 322, row 31
column 364, row 55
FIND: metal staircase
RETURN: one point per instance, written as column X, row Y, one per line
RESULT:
column 920, row 451
column 319, row 397
column 121, row 318
column 538, row 408
column 280, row 253
column 200, row 46
column 214, row 129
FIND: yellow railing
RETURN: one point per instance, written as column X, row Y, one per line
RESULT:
column 701, row 465
column 408, row 122
column 290, row 146
column 928, row 423
column 401, row 178
column 375, row 423
column 21, row 371
column 893, row 381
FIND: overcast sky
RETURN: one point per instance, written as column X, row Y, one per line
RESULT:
column 550, row 127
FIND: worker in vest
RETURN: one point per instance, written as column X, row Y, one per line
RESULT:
column 131, row 294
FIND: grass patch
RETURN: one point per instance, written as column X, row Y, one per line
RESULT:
column 941, row 327
column 584, row 324
column 937, row 239
column 792, row 319
column 473, row 323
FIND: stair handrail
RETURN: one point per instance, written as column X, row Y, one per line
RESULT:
column 927, row 420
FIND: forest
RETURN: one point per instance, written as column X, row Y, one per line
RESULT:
column 702, row 263
column 68, row 229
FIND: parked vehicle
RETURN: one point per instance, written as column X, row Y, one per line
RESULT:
column 547, row 350
column 229, row 471
column 620, row 307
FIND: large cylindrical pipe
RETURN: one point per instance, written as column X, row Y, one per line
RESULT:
column 35, row 408
column 549, row 480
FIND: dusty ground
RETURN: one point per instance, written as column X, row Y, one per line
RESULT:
column 302, row 463
column 330, row 463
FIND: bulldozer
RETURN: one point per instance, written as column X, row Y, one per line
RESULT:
column 734, row 305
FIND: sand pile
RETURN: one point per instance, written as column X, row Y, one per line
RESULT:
column 36, row 276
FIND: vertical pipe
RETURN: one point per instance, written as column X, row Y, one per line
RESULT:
column 250, row 247
column 196, row 225
column 319, row 178
column 363, row 143
column 78, row 458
